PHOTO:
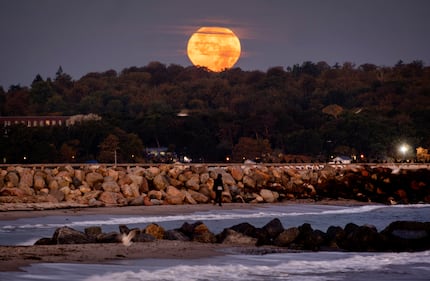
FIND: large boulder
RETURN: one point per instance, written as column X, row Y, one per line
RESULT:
column 407, row 236
column 13, row 191
column 204, row 177
column 175, row 234
column 93, row 194
column 12, row 179
column 286, row 237
column 236, row 173
column 112, row 198
column 261, row 178
column 26, row 178
column 138, row 201
column 193, row 183
column 152, row 172
column 363, row 238
column 227, row 179
column 160, row 182
column 67, row 235
column 143, row 237
column 155, row 194
column 80, row 175
column 130, row 190
column 111, row 186
column 93, row 178
column 202, row 234
column 273, row 228
column 110, row 237
column 174, row 196
column 249, row 181
column 190, row 230
column 144, row 187
column 231, row 237
column 58, row 194
column 93, row 231
column 246, row 229
column 309, row 239
column 136, row 179
column 174, row 172
column 39, row 182
column 63, row 179
column 113, row 174
column 269, row 196
column 335, row 237
column 155, row 230
column 189, row 199
column 198, row 197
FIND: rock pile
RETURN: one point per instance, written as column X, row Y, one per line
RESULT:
column 398, row 236
column 99, row 185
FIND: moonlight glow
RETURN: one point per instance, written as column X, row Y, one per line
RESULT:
column 216, row 48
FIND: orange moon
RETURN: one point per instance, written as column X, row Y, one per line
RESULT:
column 216, row 48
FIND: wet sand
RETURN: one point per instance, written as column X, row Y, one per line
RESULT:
column 14, row 257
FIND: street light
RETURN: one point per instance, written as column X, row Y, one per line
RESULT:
column 403, row 149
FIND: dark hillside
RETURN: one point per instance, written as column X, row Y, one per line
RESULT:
column 310, row 109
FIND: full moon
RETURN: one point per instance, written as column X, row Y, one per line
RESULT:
column 216, row 48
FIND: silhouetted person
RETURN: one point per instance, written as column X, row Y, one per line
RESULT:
column 218, row 188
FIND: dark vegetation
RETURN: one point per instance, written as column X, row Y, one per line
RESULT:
column 311, row 109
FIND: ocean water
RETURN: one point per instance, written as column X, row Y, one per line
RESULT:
column 234, row 266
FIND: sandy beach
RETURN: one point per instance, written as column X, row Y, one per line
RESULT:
column 13, row 257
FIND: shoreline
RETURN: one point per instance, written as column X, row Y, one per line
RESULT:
column 15, row 211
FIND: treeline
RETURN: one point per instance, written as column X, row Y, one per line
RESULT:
column 312, row 109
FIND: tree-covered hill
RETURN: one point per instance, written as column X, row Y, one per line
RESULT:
column 312, row 109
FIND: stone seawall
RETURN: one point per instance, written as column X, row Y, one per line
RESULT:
column 103, row 185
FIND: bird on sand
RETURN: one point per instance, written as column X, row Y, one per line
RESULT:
column 126, row 238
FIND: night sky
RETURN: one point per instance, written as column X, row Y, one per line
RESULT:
column 95, row 36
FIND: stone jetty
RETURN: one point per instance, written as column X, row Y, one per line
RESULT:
column 104, row 185
column 399, row 236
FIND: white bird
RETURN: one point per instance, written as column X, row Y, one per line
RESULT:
column 126, row 238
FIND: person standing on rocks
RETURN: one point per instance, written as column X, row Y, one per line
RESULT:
column 218, row 188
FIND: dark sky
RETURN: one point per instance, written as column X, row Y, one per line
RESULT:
column 97, row 35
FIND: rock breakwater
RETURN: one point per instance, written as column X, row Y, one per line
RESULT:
column 102, row 185
column 399, row 236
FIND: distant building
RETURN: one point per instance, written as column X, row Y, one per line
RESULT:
column 423, row 154
column 341, row 160
column 34, row 121
column 46, row 121
column 160, row 155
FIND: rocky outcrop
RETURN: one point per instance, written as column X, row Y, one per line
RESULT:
column 99, row 185
column 399, row 236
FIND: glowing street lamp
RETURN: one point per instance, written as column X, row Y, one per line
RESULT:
column 403, row 149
